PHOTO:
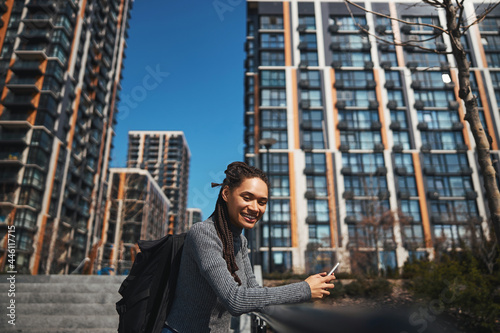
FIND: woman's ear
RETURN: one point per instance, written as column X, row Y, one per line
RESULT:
column 225, row 193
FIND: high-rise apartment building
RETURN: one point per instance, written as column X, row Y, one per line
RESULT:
column 136, row 208
column 60, row 64
column 166, row 155
column 373, row 161
column 194, row 215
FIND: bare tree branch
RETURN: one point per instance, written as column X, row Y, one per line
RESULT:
column 434, row 3
column 481, row 16
column 393, row 42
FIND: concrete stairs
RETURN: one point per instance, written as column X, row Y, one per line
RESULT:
column 60, row 303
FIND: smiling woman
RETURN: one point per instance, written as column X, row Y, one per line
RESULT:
column 216, row 278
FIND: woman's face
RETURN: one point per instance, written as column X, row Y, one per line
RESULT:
column 246, row 203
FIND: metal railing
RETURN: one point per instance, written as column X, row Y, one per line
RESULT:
column 307, row 319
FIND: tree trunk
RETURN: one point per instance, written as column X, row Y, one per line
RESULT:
column 472, row 116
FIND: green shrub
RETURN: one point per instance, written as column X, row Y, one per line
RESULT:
column 460, row 283
column 368, row 288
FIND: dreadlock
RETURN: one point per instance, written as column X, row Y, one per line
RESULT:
column 236, row 172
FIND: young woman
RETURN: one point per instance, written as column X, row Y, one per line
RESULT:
column 216, row 278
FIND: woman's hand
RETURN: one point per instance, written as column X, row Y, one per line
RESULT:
column 319, row 284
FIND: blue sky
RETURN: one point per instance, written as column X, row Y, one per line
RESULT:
column 196, row 52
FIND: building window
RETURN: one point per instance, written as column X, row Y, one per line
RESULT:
column 434, row 98
column 452, row 211
column 356, row 98
column 360, row 209
column 280, row 186
column 308, row 21
column 438, row 119
column 350, row 42
column 442, row 140
column 363, row 163
column 271, row 22
column 320, row 234
column 399, row 116
column 446, row 163
column 360, row 140
column 309, row 41
column 424, row 59
column 362, row 119
column 430, row 79
column 317, row 184
column 315, row 162
column 273, row 119
column 312, row 119
column 310, row 58
column 354, row 79
column 350, row 59
column 449, row 186
column 313, row 97
column 280, row 211
column 281, row 137
column 432, row 20
column 313, row 140
column 268, row 58
column 402, row 139
column 489, row 24
column 273, row 97
column 396, row 96
column 272, row 78
column 312, row 78
column 272, row 41
column 280, row 234
column 278, row 161
column 317, row 210
column 367, row 186
column 347, row 23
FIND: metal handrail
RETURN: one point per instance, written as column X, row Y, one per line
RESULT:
column 307, row 319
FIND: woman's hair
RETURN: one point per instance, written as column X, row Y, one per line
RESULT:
column 236, row 173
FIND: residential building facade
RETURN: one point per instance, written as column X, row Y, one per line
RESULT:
column 166, row 155
column 60, row 74
column 136, row 208
column 373, row 161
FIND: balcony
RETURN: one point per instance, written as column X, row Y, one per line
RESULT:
column 23, row 85
column 32, row 51
column 42, row 5
column 12, row 138
column 17, row 102
column 39, row 20
column 7, row 198
column 36, row 35
column 27, row 67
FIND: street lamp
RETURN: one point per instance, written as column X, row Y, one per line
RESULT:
column 268, row 142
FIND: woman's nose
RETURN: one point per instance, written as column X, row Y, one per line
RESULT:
column 253, row 206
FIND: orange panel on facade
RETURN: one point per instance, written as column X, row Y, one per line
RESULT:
column 293, row 202
column 423, row 204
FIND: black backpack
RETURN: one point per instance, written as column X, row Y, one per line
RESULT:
column 148, row 290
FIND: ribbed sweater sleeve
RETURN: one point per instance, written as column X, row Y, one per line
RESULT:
column 207, row 253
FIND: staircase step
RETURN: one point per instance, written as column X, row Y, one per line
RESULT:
column 59, row 330
column 82, row 279
column 63, row 322
column 71, row 298
column 58, row 287
column 26, row 309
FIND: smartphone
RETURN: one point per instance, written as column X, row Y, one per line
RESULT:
column 333, row 269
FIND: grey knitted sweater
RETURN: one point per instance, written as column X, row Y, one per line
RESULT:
column 207, row 295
